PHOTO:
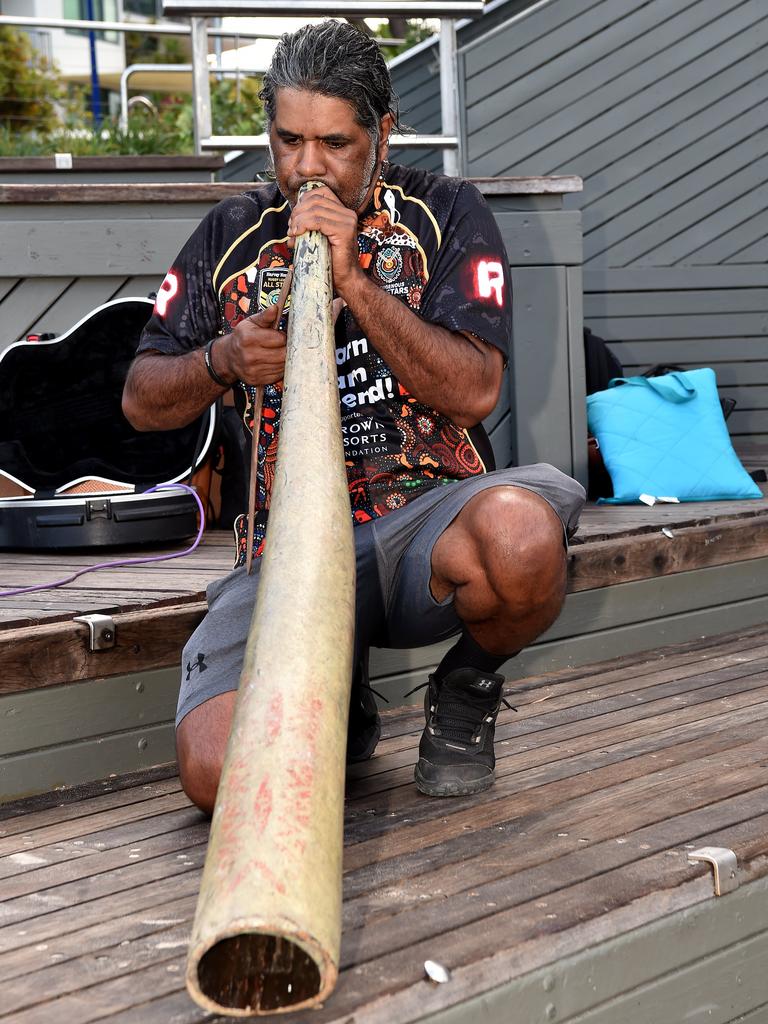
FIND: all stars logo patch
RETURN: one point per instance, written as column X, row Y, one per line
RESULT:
column 270, row 282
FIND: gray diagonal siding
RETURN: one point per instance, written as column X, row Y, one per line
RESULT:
column 661, row 106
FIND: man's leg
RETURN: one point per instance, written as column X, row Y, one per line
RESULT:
column 485, row 559
column 201, row 742
column 211, row 665
column 213, row 660
column 503, row 560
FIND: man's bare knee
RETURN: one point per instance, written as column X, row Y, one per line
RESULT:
column 501, row 535
column 520, row 548
column 201, row 742
column 505, row 565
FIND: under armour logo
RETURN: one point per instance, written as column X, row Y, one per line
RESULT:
column 484, row 684
column 199, row 665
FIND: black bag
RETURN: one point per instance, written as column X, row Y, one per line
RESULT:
column 73, row 471
column 600, row 364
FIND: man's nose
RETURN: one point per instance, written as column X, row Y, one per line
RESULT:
column 311, row 162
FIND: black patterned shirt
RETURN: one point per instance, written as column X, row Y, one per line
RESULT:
column 430, row 241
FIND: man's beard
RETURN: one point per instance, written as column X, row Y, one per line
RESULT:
column 368, row 172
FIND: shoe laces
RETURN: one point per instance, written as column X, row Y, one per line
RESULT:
column 457, row 717
column 367, row 686
column 417, row 688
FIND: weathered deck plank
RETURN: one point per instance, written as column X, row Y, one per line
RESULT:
column 156, row 607
column 607, row 775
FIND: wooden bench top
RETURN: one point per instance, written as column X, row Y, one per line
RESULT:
column 155, row 607
column 608, row 776
column 185, row 192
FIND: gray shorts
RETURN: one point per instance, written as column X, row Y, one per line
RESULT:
column 395, row 607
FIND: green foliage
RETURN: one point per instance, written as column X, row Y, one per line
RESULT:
column 236, row 108
column 29, row 86
column 417, row 29
column 40, row 115
column 145, row 49
column 166, row 130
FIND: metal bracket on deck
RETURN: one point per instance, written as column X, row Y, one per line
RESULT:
column 723, row 863
column 102, row 631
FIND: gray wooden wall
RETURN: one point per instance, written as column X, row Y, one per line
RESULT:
column 661, row 106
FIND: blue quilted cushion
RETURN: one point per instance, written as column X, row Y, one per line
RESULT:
column 666, row 436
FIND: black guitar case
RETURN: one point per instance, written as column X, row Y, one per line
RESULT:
column 73, row 471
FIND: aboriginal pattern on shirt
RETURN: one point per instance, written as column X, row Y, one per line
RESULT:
column 429, row 242
column 395, row 447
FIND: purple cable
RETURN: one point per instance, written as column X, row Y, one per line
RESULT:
column 125, row 561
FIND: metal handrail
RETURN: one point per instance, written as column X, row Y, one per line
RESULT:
column 337, row 8
column 147, row 28
column 126, row 26
column 135, row 68
column 261, row 142
column 448, row 10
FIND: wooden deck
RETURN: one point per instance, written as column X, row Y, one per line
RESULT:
column 607, row 777
column 157, row 606
column 638, row 578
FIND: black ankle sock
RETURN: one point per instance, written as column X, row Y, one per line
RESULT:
column 467, row 653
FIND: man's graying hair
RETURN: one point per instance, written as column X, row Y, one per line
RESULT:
column 334, row 59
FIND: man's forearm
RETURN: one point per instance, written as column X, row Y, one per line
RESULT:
column 165, row 392
column 449, row 372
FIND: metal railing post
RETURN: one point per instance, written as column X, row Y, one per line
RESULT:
column 201, row 86
column 449, row 94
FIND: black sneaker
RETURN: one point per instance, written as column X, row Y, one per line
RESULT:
column 364, row 727
column 456, row 750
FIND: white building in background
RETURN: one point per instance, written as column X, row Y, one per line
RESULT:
column 69, row 48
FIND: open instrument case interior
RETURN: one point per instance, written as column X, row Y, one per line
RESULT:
column 73, row 471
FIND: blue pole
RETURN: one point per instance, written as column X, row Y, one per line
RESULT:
column 95, row 92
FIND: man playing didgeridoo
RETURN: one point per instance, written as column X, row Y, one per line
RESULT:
column 445, row 546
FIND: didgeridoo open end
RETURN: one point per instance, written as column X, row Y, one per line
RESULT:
column 254, row 971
